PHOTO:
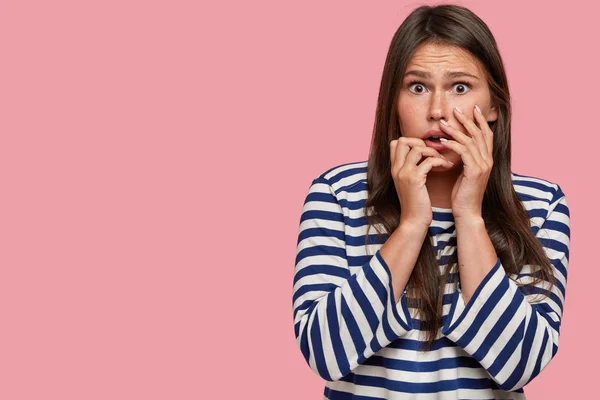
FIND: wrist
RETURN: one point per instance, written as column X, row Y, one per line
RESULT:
column 413, row 227
column 471, row 220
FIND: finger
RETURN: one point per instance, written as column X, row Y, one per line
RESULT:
column 472, row 143
column 465, row 152
column 393, row 145
column 403, row 148
column 417, row 153
column 480, row 150
column 431, row 162
column 467, row 122
column 488, row 134
column 454, row 133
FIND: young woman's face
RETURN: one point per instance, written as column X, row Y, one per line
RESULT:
column 428, row 95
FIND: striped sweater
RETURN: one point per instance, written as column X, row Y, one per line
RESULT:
column 355, row 336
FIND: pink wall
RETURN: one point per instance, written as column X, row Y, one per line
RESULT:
column 155, row 156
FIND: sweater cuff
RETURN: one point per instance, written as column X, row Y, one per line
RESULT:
column 400, row 314
column 460, row 316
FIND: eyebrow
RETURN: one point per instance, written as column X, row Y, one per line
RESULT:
column 448, row 74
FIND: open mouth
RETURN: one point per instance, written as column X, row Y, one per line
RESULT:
column 436, row 143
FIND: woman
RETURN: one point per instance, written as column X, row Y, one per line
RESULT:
column 459, row 292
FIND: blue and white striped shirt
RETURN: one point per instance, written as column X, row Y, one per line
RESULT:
column 354, row 335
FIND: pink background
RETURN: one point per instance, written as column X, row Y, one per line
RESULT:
column 155, row 157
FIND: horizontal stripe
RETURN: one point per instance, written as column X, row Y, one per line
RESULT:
column 365, row 345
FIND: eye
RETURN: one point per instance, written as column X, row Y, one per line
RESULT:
column 463, row 85
column 415, row 83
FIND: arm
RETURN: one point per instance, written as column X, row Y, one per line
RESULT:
column 510, row 337
column 409, row 238
column 476, row 255
column 340, row 319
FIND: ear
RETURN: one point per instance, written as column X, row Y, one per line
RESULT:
column 492, row 115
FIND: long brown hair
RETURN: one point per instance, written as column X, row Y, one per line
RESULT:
column 506, row 219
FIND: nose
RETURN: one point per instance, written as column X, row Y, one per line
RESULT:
column 438, row 107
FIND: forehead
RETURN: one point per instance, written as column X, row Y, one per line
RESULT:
column 444, row 57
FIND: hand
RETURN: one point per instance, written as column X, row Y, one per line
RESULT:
column 409, row 178
column 476, row 153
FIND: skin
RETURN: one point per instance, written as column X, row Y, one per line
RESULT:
column 421, row 106
column 461, row 187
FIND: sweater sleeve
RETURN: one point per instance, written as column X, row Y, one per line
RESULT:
column 507, row 329
column 340, row 319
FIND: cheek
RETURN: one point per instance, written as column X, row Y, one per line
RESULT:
column 407, row 115
column 467, row 105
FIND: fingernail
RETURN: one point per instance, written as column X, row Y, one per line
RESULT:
column 477, row 108
column 443, row 140
column 444, row 122
column 456, row 108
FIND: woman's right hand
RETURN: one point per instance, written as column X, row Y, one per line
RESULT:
column 409, row 178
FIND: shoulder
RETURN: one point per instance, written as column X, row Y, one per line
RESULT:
column 527, row 187
column 535, row 188
column 540, row 196
column 343, row 176
column 537, row 194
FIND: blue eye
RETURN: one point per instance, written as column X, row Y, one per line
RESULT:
column 462, row 84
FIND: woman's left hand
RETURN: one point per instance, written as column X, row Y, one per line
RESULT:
column 476, row 154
